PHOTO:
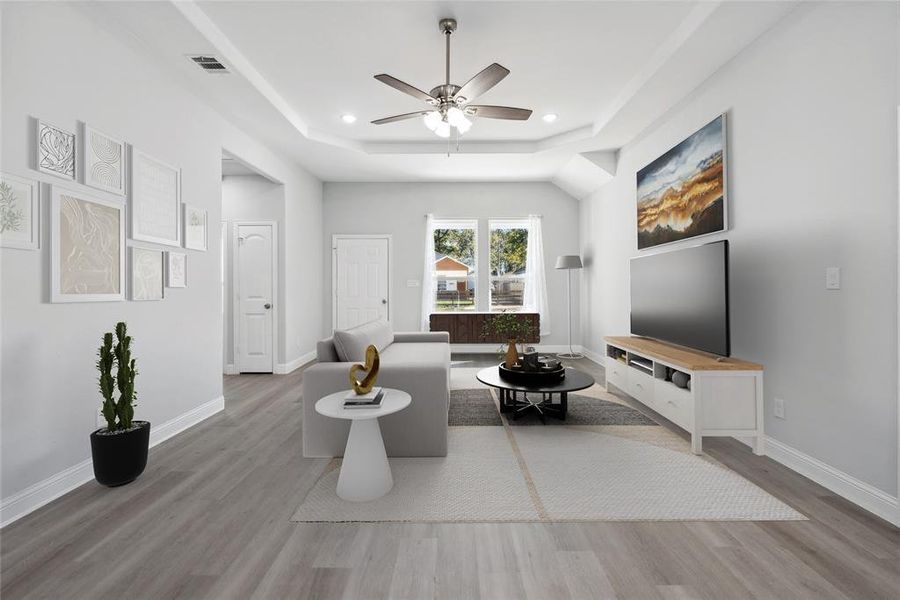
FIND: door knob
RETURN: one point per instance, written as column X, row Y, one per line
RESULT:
column 383, row 301
column 267, row 306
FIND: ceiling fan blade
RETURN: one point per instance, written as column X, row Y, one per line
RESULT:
column 482, row 82
column 406, row 88
column 498, row 112
column 403, row 117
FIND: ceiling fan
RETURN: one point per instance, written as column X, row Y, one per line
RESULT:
column 449, row 103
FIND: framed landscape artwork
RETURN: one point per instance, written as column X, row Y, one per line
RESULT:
column 104, row 161
column 682, row 194
column 146, row 273
column 176, row 269
column 194, row 228
column 55, row 150
column 20, row 212
column 155, row 200
column 87, row 247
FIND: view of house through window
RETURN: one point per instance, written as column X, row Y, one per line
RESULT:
column 509, row 243
column 454, row 265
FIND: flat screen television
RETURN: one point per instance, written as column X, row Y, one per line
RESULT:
column 682, row 297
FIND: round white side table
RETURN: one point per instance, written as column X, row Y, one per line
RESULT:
column 365, row 473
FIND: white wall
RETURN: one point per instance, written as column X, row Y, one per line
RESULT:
column 51, row 57
column 400, row 209
column 812, row 128
column 252, row 198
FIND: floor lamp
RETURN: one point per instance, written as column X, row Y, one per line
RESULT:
column 569, row 262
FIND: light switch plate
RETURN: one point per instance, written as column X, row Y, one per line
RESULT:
column 832, row 278
column 412, row 283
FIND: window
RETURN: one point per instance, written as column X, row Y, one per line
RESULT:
column 454, row 265
column 508, row 248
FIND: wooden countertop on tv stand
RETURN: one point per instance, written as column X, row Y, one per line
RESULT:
column 691, row 360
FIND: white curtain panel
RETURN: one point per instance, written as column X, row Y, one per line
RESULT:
column 535, row 280
column 428, row 284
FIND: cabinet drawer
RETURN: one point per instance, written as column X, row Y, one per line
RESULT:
column 640, row 386
column 674, row 403
column 616, row 374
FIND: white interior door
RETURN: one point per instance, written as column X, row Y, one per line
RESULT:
column 255, row 283
column 361, row 284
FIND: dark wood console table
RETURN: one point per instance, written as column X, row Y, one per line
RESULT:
column 466, row 327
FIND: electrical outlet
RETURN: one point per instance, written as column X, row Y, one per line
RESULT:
column 832, row 278
column 779, row 408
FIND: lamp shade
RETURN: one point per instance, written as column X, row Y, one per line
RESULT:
column 568, row 261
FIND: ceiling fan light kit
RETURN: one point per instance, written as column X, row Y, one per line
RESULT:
column 449, row 108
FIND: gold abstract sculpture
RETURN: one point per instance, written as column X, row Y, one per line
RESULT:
column 372, row 364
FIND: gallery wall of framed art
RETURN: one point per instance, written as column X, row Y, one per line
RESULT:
column 94, row 256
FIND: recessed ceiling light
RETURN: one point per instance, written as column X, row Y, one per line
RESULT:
column 550, row 117
column 348, row 119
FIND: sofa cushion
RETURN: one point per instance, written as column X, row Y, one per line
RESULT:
column 417, row 353
column 351, row 344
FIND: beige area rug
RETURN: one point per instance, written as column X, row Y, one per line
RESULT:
column 521, row 474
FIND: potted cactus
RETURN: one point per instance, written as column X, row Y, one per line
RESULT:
column 119, row 450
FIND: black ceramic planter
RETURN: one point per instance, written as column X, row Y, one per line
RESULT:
column 119, row 458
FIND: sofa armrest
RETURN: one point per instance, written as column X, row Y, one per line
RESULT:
column 422, row 336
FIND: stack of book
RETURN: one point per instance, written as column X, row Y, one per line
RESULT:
column 370, row 400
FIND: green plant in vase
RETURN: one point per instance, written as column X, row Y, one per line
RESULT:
column 513, row 328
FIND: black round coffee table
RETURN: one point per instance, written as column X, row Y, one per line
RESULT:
column 511, row 402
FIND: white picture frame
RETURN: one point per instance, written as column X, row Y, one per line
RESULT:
column 87, row 247
column 20, row 212
column 155, row 200
column 196, row 227
column 176, row 269
column 103, row 161
column 146, row 280
column 55, row 150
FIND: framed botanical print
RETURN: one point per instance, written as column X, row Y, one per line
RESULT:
column 195, row 230
column 20, row 212
column 87, row 247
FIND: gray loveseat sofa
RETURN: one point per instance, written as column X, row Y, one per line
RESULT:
column 417, row 363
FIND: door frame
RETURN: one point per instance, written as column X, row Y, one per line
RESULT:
column 390, row 270
column 236, row 291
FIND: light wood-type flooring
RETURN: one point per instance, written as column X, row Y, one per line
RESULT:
column 209, row 518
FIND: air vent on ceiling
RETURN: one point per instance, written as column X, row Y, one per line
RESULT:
column 210, row 64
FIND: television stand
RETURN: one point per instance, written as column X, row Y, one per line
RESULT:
column 718, row 396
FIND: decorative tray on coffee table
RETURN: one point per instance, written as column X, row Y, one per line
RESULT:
column 546, row 375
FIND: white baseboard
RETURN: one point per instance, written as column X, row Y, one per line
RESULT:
column 285, row 368
column 161, row 433
column 37, row 495
column 858, row 492
column 230, row 370
column 593, row 356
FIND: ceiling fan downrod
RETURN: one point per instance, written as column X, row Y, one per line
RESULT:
column 448, row 26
